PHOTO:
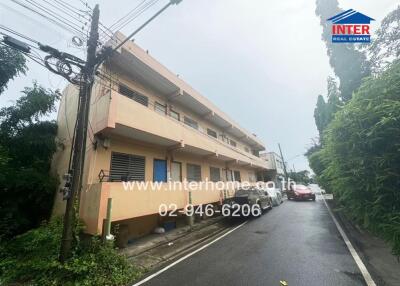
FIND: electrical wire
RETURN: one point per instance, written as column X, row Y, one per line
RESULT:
column 17, row 34
column 127, row 15
column 136, row 14
column 47, row 18
column 55, row 15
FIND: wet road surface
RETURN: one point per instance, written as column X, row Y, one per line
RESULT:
column 297, row 242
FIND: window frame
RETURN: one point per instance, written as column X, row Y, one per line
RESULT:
column 133, row 94
column 189, row 121
column 128, row 174
column 187, row 173
column 209, row 130
column 160, row 108
column 171, row 111
column 211, row 174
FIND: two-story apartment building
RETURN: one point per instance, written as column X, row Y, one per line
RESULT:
column 146, row 125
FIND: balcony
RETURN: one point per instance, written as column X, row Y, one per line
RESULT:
column 115, row 114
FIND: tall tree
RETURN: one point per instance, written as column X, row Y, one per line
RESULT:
column 385, row 48
column 348, row 63
column 12, row 63
column 324, row 111
column 27, row 144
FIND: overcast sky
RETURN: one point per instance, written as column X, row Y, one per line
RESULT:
column 262, row 62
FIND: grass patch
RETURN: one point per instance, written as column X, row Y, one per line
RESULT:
column 32, row 259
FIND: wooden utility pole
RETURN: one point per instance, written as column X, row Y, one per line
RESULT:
column 283, row 162
column 79, row 143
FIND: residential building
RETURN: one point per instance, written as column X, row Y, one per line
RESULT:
column 146, row 125
column 274, row 168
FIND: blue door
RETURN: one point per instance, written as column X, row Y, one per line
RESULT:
column 160, row 170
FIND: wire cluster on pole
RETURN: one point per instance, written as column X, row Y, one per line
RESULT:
column 79, row 72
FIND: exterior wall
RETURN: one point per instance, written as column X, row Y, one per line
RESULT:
column 121, row 120
column 154, row 97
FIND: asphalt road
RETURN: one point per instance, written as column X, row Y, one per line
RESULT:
column 297, row 242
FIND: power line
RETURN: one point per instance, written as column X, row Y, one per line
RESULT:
column 123, row 18
column 64, row 20
column 63, row 26
column 17, row 34
column 61, row 9
column 135, row 15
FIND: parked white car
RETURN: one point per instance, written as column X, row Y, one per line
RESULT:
column 276, row 196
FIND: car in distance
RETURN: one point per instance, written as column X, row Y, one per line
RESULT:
column 300, row 192
column 249, row 201
column 275, row 195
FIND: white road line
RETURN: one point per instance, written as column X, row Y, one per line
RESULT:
column 364, row 271
column 187, row 256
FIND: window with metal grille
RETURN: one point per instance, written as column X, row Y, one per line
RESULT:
column 236, row 175
column 215, row 174
column 211, row 132
column 160, row 108
column 126, row 167
column 233, row 143
column 190, row 122
column 124, row 90
column 193, row 172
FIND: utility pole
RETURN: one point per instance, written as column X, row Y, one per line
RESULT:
column 283, row 162
column 75, row 174
column 79, row 144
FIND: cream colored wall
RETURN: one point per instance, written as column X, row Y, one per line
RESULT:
column 65, row 121
column 130, row 113
column 135, row 202
column 154, row 97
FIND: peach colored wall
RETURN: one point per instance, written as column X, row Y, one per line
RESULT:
column 132, row 114
column 152, row 63
column 154, row 97
column 66, row 121
column 135, row 202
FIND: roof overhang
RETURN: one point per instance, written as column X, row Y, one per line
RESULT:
column 147, row 71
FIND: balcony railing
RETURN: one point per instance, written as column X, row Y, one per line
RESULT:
column 151, row 104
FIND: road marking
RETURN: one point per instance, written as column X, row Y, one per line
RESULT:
column 187, row 256
column 364, row 271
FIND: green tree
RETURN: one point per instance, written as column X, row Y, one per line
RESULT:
column 12, row 63
column 27, row 144
column 300, row 177
column 324, row 111
column 348, row 63
column 360, row 160
column 385, row 46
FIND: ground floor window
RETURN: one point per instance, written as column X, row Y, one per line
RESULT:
column 215, row 174
column 193, row 172
column 236, row 175
column 127, row 167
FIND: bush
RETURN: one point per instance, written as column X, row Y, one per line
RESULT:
column 31, row 258
column 360, row 158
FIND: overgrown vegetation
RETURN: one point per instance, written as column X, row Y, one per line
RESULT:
column 32, row 259
column 358, row 158
column 12, row 63
column 300, row 177
column 27, row 145
column 29, row 248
